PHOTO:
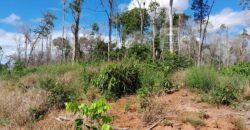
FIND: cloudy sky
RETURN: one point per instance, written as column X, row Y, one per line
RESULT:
column 17, row 12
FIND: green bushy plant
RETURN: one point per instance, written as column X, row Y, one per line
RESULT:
column 176, row 62
column 19, row 68
column 139, row 52
column 58, row 93
column 227, row 92
column 242, row 68
column 115, row 81
column 202, row 78
column 143, row 95
column 94, row 112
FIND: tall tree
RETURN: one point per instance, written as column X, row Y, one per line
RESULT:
column 141, row 4
column 202, row 12
column 44, row 30
column 130, row 22
column 76, row 7
column 110, row 21
column 63, row 27
column 153, row 9
column 171, row 44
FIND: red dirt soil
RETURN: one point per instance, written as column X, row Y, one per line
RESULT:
column 176, row 105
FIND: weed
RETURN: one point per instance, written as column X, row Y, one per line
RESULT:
column 194, row 120
column 4, row 121
column 94, row 113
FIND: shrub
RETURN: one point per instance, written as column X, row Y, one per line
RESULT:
column 58, row 93
column 93, row 112
column 240, row 69
column 139, row 52
column 202, row 78
column 19, row 68
column 176, row 62
column 143, row 95
column 115, row 81
column 227, row 92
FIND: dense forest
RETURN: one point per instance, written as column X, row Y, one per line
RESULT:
column 153, row 68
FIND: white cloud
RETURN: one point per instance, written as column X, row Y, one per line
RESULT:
column 122, row 7
column 9, row 44
column 36, row 20
column 230, row 18
column 179, row 5
column 12, row 19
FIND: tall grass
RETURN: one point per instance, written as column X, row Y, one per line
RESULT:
column 202, row 78
column 218, row 88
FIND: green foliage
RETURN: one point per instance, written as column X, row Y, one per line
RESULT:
column 58, row 93
column 19, row 68
column 100, row 51
column 4, row 121
column 240, row 69
column 115, row 81
column 94, row 113
column 131, row 21
column 227, row 92
column 202, row 78
column 143, row 95
column 219, row 89
column 167, row 85
column 139, row 52
column 176, row 62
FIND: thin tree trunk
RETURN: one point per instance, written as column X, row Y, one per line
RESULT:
column 171, row 27
column 63, row 24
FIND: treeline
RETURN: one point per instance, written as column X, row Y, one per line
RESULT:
column 146, row 33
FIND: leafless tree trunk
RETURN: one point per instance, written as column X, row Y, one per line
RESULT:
column 63, row 26
column 171, row 26
column 110, row 20
column 203, row 32
column 142, row 18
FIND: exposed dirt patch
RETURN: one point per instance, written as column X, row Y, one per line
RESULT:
column 183, row 112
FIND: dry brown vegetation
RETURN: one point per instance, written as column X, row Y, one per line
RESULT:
column 16, row 105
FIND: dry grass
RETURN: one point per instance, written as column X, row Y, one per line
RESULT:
column 238, row 124
column 69, row 77
column 16, row 105
column 194, row 119
column 155, row 110
column 92, row 94
column 29, row 81
column 178, row 78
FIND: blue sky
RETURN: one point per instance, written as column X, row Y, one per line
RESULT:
column 15, row 12
column 29, row 11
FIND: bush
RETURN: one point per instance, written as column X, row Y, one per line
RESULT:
column 176, row 62
column 58, row 93
column 202, row 78
column 19, row 68
column 227, row 92
column 115, row 81
column 139, row 52
column 94, row 114
column 143, row 95
column 239, row 69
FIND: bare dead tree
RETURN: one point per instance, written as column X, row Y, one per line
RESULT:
column 141, row 5
column 109, row 14
column 76, row 7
